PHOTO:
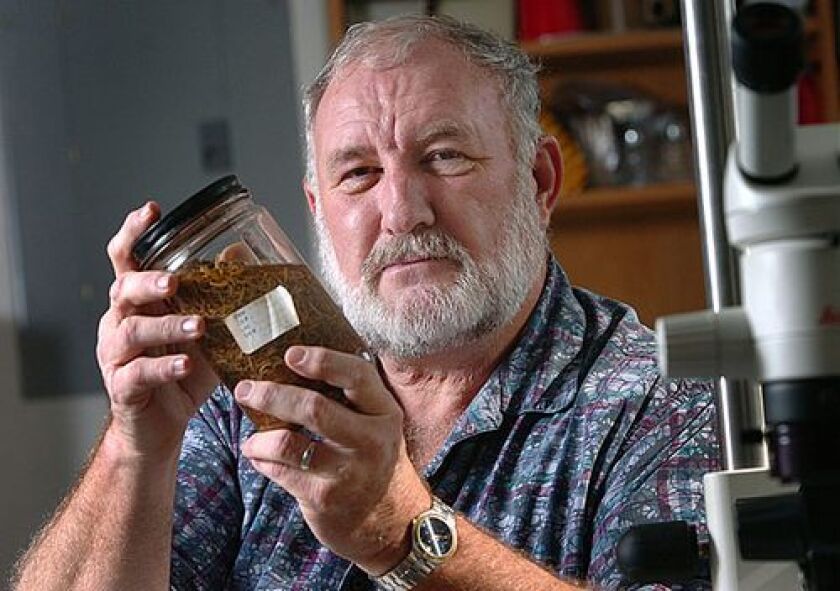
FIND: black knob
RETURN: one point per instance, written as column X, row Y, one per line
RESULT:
column 659, row 553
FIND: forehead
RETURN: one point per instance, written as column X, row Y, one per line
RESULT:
column 435, row 86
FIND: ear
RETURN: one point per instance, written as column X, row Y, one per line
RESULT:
column 548, row 174
column 310, row 197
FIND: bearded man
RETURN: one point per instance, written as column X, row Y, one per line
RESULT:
column 512, row 428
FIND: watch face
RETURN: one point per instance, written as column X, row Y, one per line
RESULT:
column 434, row 537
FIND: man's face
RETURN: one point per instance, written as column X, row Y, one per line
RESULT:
column 426, row 231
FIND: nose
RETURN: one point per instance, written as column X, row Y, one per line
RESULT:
column 404, row 202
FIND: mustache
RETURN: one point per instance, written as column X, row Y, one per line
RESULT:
column 425, row 244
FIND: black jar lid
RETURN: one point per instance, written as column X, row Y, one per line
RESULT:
column 161, row 231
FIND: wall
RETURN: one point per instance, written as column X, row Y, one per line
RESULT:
column 99, row 104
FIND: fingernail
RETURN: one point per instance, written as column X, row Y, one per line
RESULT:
column 243, row 390
column 146, row 212
column 179, row 365
column 190, row 325
column 295, row 355
column 163, row 282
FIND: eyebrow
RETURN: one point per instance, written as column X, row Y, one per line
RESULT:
column 344, row 155
column 442, row 131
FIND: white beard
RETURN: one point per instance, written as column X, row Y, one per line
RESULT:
column 429, row 319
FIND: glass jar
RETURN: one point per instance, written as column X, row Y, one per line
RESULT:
column 239, row 271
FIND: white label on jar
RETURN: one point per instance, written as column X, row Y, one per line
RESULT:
column 263, row 320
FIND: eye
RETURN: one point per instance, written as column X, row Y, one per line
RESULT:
column 444, row 155
column 359, row 178
column 358, row 172
column 449, row 162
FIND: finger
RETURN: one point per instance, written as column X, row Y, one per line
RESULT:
column 238, row 251
column 356, row 376
column 300, row 406
column 136, row 334
column 282, row 474
column 202, row 380
column 108, row 325
column 304, row 486
column 292, row 449
column 131, row 382
column 138, row 288
column 135, row 223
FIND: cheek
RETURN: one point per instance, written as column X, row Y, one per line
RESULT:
column 477, row 222
column 353, row 233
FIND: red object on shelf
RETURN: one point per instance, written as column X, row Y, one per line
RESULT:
column 810, row 104
column 548, row 17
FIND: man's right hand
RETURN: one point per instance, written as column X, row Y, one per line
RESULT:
column 114, row 531
column 155, row 377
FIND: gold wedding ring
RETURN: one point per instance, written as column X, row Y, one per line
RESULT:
column 306, row 458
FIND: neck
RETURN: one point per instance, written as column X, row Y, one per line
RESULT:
column 435, row 390
column 440, row 386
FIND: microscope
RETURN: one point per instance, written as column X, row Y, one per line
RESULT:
column 777, row 527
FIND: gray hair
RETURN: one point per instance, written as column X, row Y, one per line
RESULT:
column 390, row 43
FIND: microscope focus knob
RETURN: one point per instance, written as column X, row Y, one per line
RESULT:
column 665, row 552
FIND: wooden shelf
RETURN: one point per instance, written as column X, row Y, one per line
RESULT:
column 644, row 200
column 640, row 245
column 608, row 44
column 602, row 44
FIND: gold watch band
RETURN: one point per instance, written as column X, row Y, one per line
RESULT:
column 420, row 562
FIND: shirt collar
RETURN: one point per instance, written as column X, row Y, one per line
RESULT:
column 550, row 339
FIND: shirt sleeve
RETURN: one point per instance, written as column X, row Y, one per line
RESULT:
column 208, row 507
column 657, row 474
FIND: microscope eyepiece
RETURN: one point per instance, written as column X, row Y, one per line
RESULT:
column 767, row 57
column 767, row 47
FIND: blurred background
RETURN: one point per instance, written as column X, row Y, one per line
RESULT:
column 107, row 103
column 103, row 105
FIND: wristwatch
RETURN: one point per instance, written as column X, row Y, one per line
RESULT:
column 434, row 538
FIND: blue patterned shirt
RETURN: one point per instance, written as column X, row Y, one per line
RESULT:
column 574, row 437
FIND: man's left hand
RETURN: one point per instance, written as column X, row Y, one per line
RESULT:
column 356, row 486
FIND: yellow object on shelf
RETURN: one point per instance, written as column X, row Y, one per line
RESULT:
column 575, row 170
